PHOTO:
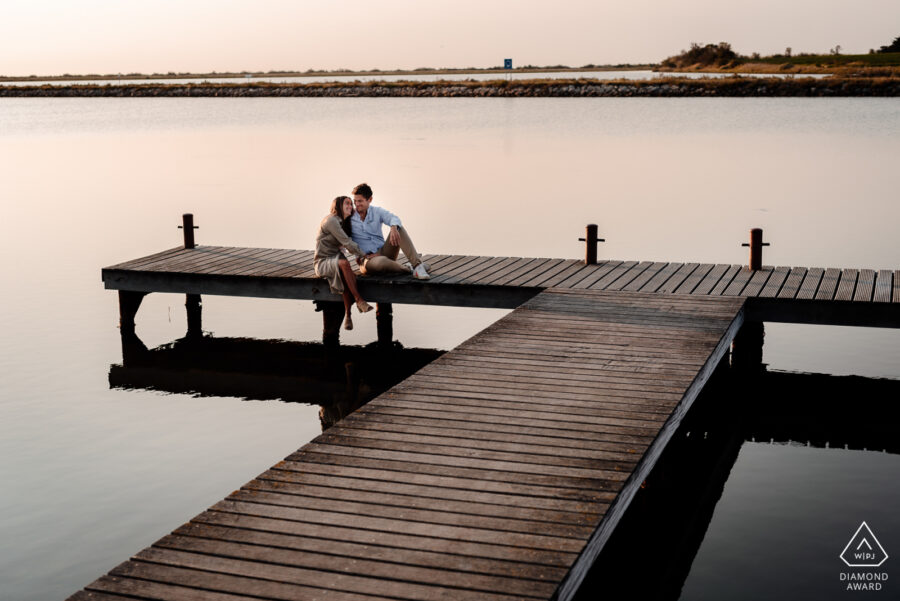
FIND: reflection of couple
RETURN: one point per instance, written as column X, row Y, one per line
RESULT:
column 360, row 232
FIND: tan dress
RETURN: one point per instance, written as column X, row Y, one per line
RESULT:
column 328, row 251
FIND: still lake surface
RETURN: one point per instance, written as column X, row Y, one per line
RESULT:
column 92, row 474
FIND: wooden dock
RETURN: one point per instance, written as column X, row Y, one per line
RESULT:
column 497, row 472
column 833, row 296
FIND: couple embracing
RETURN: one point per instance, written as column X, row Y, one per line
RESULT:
column 359, row 231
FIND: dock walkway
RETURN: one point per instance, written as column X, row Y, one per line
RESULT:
column 497, row 472
column 794, row 294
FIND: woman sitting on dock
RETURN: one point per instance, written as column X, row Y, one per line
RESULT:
column 329, row 261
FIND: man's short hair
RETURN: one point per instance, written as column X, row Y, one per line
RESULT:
column 363, row 190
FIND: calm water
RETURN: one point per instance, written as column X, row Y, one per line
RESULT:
column 93, row 474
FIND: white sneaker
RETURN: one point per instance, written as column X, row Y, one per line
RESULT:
column 419, row 272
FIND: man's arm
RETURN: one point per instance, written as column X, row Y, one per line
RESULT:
column 389, row 219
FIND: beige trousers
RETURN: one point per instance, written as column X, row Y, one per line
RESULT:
column 385, row 261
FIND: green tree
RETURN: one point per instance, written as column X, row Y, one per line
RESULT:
column 892, row 47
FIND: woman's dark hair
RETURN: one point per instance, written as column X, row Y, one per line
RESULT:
column 336, row 206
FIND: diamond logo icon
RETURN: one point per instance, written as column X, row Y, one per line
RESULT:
column 863, row 550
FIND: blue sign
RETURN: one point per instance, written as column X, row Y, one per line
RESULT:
column 507, row 63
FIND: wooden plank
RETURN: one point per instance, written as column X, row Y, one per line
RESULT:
column 630, row 275
column 292, row 266
column 792, row 284
column 725, row 280
column 704, row 286
column 455, row 273
column 282, row 497
column 148, row 259
column 828, row 285
column 678, row 277
column 865, row 286
column 531, row 266
column 846, row 285
column 576, row 269
column 247, row 264
column 152, row 578
column 740, row 280
column 775, row 283
column 314, row 560
column 204, row 258
column 760, row 278
column 883, row 286
column 692, row 281
column 423, row 544
column 329, row 548
column 416, row 496
column 186, row 255
column 810, row 286
column 638, row 282
column 273, row 260
column 610, row 277
column 401, row 526
column 494, row 269
column 537, row 270
column 590, row 274
column 518, row 263
column 661, row 277
column 491, row 266
column 565, row 267
column 405, row 473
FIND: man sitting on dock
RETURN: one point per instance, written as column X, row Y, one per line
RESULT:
column 381, row 255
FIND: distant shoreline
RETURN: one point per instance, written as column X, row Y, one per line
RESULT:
column 660, row 87
column 339, row 73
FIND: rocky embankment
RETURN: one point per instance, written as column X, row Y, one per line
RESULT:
column 663, row 87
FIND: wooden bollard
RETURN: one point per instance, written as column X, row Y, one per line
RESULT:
column 590, row 244
column 188, row 227
column 756, row 244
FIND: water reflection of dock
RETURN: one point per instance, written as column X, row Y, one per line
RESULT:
column 498, row 471
column 338, row 379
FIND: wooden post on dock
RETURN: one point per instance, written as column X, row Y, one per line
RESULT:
column 188, row 226
column 192, row 302
column 756, row 244
column 590, row 244
column 384, row 322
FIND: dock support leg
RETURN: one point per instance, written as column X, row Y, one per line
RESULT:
column 332, row 318
column 747, row 347
column 384, row 321
column 194, row 305
column 129, row 303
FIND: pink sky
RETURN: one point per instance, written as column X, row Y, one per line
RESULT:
column 112, row 36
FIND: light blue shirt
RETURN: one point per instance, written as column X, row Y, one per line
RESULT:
column 367, row 234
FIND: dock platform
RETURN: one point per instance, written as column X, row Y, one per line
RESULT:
column 497, row 472
column 834, row 296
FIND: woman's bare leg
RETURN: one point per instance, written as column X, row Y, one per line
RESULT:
column 348, row 304
column 349, row 279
